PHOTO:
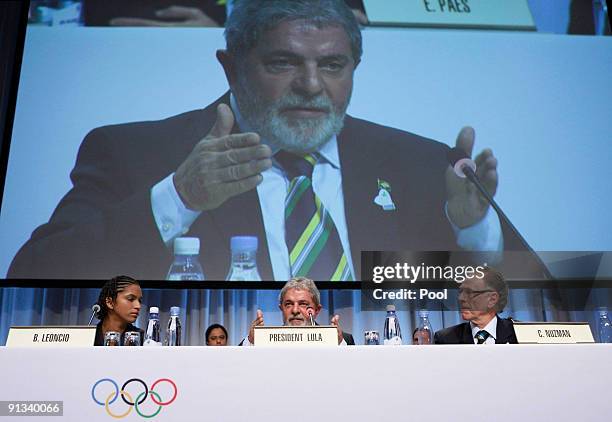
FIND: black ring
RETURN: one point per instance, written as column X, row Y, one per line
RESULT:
column 143, row 384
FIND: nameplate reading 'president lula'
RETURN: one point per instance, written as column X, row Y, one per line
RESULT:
column 553, row 332
column 309, row 335
column 47, row 336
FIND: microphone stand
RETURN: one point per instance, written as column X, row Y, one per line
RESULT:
column 94, row 310
column 467, row 168
column 310, row 313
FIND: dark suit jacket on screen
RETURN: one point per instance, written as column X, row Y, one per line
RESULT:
column 462, row 333
column 104, row 225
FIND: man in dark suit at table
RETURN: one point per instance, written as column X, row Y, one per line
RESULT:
column 297, row 298
column 277, row 158
column 480, row 301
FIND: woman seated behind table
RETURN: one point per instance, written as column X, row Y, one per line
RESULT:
column 120, row 301
column 216, row 335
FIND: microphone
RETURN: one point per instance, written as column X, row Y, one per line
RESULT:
column 94, row 310
column 459, row 159
column 310, row 312
column 464, row 167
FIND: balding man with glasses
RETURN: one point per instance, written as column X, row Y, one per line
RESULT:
column 480, row 301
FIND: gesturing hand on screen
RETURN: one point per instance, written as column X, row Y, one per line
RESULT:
column 171, row 16
column 256, row 322
column 221, row 165
column 466, row 206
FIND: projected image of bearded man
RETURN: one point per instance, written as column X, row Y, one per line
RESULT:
column 276, row 157
column 295, row 123
column 304, row 103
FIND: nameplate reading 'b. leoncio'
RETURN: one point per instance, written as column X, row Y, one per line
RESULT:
column 51, row 336
column 553, row 332
column 310, row 335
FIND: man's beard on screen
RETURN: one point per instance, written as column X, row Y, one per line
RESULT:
column 299, row 136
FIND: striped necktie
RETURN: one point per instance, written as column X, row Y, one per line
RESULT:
column 482, row 336
column 315, row 250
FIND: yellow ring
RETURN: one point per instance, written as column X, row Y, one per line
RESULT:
column 123, row 415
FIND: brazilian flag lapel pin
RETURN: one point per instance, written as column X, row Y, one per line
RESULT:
column 383, row 198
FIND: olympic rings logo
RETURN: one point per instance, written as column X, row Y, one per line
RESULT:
column 128, row 398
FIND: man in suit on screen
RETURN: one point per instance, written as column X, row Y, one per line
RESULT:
column 481, row 299
column 276, row 157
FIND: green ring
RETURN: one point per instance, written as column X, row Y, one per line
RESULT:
column 138, row 410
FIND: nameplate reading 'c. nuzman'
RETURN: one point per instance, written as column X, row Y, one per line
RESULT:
column 553, row 332
column 310, row 335
column 46, row 336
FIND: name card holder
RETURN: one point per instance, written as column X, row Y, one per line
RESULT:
column 51, row 336
column 290, row 336
column 478, row 14
column 553, row 332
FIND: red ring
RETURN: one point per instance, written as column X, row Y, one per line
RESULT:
column 173, row 397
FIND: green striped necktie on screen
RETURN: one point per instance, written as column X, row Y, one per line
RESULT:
column 315, row 250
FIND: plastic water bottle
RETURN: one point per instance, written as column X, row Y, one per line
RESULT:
column 392, row 332
column 605, row 327
column 244, row 259
column 173, row 333
column 424, row 331
column 186, row 265
column 152, row 336
column 56, row 13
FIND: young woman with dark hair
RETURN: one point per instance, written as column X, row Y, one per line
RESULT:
column 120, row 300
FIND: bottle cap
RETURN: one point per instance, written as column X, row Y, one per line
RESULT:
column 44, row 15
column 175, row 311
column 390, row 308
column 423, row 313
column 603, row 312
column 243, row 244
column 186, row 246
column 153, row 310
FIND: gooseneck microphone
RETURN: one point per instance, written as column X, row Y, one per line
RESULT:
column 464, row 167
column 94, row 310
column 310, row 312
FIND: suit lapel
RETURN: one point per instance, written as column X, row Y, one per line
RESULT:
column 505, row 331
column 367, row 223
column 467, row 334
column 242, row 216
column 239, row 216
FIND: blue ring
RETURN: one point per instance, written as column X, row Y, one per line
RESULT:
column 96, row 384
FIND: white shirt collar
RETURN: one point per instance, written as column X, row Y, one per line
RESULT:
column 329, row 150
column 490, row 328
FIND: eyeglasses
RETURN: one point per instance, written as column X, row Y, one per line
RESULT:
column 473, row 293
